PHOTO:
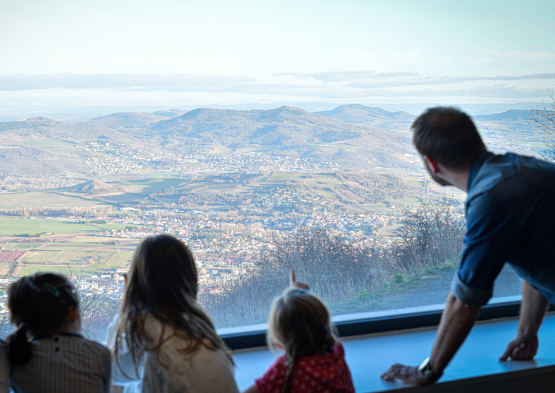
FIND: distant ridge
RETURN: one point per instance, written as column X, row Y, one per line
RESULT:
column 376, row 117
column 41, row 119
column 286, row 130
column 126, row 120
column 170, row 113
column 511, row 115
column 281, row 127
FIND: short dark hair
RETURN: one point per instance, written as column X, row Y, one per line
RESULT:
column 448, row 136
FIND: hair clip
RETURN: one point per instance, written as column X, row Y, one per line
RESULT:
column 52, row 289
column 301, row 290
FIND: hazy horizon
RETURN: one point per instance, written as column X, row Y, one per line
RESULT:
column 80, row 54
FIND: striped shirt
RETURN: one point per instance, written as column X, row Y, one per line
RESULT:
column 4, row 368
column 66, row 363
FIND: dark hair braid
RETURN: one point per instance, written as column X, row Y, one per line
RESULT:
column 20, row 350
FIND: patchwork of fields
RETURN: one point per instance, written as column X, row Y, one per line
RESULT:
column 64, row 246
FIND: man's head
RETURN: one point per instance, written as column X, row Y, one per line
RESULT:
column 447, row 136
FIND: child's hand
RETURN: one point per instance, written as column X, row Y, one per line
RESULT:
column 293, row 283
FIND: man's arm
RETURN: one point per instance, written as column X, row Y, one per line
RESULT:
column 532, row 310
column 456, row 321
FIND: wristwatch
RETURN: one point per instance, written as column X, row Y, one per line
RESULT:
column 426, row 370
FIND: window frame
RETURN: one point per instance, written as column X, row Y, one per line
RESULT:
column 363, row 326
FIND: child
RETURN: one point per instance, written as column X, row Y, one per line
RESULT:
column 162, row 326
column 314, row 359
column 45, row 309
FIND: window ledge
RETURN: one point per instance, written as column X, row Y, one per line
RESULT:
column 474, row 367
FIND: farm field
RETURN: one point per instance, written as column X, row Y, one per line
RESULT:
column 49, row 144
column 21, row 226
column 286, row 176
column 5, row 269
column 40, row 199
column 76, row 257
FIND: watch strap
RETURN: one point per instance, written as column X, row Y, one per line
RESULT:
column 426, row 370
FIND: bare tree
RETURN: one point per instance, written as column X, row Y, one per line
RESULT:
column 544, row 117
column 336, row 268
column 431, row 234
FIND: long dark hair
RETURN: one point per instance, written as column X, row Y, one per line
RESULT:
column 39, row 305
column 300, row 323
column 162, row 283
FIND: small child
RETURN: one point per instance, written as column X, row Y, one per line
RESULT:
column 162, row 327
column 314, row 359
column 47, row 352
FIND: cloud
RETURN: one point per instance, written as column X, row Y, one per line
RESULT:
column 168, row 82
column 372, row 79
column 430, row 80
column 523, row 55
column 318, row 86
column 347, row 75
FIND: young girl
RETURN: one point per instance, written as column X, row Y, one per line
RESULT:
column 162, row 326
column 47, row 353
column 314, row 359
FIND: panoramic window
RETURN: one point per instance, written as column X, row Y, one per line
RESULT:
column 266, row 136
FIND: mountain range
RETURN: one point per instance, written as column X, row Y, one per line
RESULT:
column 353, row 136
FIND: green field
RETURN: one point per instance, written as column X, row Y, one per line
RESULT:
column 85, row 261
column 139, row 189
column 20, row 226
column 287, row 176
column 49, row 144
column 63, row 269
column 326, row 193
column 121, row 258
column 5, row 268
column 40, row 200
column 318, row 179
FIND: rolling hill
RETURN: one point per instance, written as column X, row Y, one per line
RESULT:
column 118, row 121
column 283, row 127
column 43, row 146
column 375, row 117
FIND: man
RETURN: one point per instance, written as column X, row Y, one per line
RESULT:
column 510, row 217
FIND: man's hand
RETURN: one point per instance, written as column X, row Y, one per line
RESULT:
column 532, row 310
column 293, row 283
column 521, row 348
column 407, row 374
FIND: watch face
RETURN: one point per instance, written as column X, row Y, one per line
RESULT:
column 426, row 370
column 425, row 365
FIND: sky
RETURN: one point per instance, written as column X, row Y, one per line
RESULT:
column 171, row 53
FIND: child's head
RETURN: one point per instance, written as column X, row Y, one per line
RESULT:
column 41, row 304
column 300, row 323
column 162, row 277
column 162, row 283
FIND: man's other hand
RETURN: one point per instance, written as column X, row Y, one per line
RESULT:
column 407, row 374
column 521, row 348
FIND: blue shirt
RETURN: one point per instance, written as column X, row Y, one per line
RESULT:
column 510, row 217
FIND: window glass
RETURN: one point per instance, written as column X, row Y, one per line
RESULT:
column 267, row 140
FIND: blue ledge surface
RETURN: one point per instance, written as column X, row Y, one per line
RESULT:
column 369, row 356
